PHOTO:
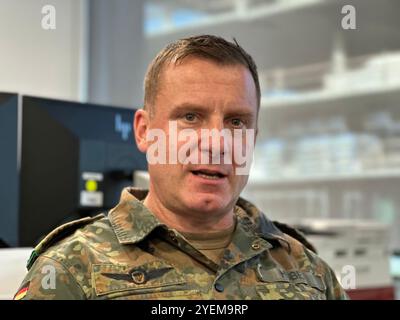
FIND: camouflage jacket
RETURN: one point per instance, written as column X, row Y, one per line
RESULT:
column 130, row 254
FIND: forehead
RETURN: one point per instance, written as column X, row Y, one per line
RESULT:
column 205, row 82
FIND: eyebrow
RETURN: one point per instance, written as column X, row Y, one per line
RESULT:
column 201, row 109
column 188, row 107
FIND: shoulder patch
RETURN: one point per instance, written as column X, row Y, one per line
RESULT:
column 296, row 234
column 57, row 234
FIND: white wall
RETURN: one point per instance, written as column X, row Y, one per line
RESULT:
column 116, row 67
column 42, row 62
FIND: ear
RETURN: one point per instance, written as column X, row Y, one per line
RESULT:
column 141, row 126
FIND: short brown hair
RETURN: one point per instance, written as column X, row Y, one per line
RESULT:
column 206, row 46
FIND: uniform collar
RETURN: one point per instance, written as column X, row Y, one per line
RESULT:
column 257, row 221
column 132, row 221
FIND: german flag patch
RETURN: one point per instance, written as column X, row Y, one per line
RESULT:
column 22, row 292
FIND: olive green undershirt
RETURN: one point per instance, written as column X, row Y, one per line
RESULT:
column 211, row 244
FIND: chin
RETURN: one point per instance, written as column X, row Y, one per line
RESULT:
column 208, row 202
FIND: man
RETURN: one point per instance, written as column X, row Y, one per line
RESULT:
column 190, row 236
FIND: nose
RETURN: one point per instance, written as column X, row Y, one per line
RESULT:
column 214, row 142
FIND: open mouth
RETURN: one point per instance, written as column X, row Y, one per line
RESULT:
column 208, row 174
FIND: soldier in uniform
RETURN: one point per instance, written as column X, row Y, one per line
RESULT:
column 191, row 235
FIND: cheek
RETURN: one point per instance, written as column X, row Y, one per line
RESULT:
column 242, row 150
column 239, row 180
column 164, row 173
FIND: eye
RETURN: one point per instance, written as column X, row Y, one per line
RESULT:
column 237, row 123
column 190, row 117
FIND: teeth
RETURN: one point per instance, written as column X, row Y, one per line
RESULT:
column 208, row 176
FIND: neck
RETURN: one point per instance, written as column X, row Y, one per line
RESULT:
column 186, row 222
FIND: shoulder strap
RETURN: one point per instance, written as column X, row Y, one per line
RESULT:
column 296, row 234
column 57, row 234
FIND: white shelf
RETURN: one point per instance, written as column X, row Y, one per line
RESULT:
column 327, row 98
column 259, row 12
column 298, row 33
column 284, row 181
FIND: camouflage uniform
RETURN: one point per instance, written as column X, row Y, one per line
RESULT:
column 131, row 255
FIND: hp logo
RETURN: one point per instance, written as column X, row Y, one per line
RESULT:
column 122, row 127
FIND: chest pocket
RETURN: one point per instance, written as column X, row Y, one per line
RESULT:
column 290, row 285
column 153, row 280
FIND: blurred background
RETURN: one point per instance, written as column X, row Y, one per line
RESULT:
column 328, row 152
